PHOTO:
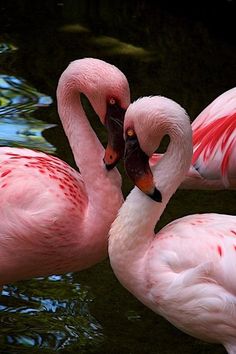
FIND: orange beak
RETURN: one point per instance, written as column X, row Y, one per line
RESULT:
column 138, row 169
column 111, row 157
column 114, row 123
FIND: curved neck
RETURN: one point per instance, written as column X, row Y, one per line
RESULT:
column 87, row 149
column 170, row 171
column 133, row 230
column 101, row 185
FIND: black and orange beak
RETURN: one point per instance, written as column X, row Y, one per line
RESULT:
column 138, row 169
column 114, row 123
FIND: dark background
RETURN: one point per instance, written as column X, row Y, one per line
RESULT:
column 185, row 50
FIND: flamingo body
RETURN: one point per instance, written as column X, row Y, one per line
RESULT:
column 186, row 272
column 54, row 219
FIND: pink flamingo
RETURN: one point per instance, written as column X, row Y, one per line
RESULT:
column 214, row 146
column 187, row 271
column 53, row 219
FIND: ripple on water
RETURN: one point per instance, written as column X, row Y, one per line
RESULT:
column 18, row 102
column 48, row 313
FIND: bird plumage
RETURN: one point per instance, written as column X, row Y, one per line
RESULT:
column 186, row 272
column 214, row 144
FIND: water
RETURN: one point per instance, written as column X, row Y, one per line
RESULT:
column 18, row 102
column 165, row 49
column 48, row 313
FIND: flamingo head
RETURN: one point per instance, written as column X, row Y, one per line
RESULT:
column 138, row 168
column 110, row 103
column 108, row 91
column 147, row 121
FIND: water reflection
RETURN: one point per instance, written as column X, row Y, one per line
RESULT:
column 26, row 132
column 17, row 96
column 7, row 47
column 50, row 313
column 18, row 101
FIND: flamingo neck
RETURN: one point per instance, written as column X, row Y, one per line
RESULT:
column 132, row 232
column 101, row 185
column 86, row 147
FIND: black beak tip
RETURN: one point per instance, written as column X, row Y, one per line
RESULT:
column 109, row 166
column 156, row 195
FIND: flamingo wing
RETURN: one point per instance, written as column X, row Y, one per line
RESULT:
column 214, row 140
column 213, row 253
column 195, row 284
column 44, row 202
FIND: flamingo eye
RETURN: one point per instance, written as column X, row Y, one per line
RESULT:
column 112, row 101
column 130, row 133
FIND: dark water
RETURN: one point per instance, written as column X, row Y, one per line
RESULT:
column 184, row 52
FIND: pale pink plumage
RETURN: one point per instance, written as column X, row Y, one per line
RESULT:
column 214, row 146
column 52, row 218
column 187, row 271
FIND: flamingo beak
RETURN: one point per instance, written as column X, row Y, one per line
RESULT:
column 112, row 157
column 138, row 169
column 115, row 147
